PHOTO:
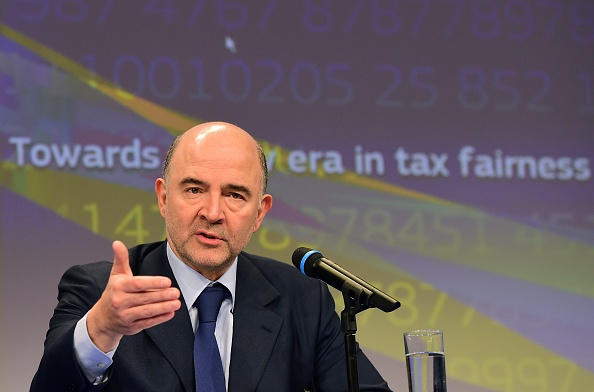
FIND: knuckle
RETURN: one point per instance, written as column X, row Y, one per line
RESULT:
column 136, row 285
column 146, row 312
column 144, row 298
column 117, row 303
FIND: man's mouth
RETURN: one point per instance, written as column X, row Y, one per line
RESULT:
column 208, row 236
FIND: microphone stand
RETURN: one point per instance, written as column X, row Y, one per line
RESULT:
column 355, row 300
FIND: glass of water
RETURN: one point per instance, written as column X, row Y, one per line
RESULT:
column 425, row 361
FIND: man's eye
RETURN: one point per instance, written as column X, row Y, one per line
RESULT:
column 193, row 190
column 236, row 196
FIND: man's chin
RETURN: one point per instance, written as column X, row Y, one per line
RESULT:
column 207, row 260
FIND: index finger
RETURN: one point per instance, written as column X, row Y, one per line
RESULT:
column 137, row 284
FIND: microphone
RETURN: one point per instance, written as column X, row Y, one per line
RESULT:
column 313, row 264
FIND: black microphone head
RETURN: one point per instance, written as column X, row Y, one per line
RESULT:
column 304, row 259
column 308, row 262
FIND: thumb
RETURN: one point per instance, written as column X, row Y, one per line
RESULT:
column 121, row 263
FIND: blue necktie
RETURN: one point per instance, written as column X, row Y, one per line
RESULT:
column 207, row 359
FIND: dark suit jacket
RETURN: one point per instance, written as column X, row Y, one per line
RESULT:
column 286, row 335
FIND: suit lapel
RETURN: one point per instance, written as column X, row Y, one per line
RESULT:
column 174, row 338
column 255, row 327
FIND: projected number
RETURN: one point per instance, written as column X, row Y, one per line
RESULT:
column 265, row 81
column 233, row 15
column 132, row 224
column 522, row 373
column 491, row 19
column 532, row 372
column 516, row 20
column 93, row 211
column 568, row 369
column 268, row 81
column 425, row 232
column 520, row 17
column 161, row 77
column 418, row 84
column 73, row 11
column 276, row 236
column 485, row 21
column 500, row 89
column 319, row 16
column 421, row 303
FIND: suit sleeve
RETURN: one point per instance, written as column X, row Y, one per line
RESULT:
column 331, row 356
column 79, row 289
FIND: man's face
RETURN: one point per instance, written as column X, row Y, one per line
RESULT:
column 212, row 202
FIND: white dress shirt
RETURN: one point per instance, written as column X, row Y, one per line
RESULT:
column 191, row 284
column 95, row 362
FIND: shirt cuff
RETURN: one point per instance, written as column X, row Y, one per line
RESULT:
column 93, row 361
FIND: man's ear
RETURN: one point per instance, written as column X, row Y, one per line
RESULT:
column 161, row 191
column 265, row 205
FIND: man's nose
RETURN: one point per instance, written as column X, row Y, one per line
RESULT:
column 212, row 209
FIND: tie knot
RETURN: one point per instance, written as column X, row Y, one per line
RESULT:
column 209, row 303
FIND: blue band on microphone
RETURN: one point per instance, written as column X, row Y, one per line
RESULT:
column 305, row 257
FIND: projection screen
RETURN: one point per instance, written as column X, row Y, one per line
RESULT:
column 442, row 150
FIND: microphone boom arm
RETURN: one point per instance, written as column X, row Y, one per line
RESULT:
column 356, row 299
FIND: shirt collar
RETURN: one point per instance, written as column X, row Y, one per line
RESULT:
column 191, row 282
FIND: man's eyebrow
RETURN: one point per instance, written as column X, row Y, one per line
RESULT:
column 238, row 188
column 231, row 187
column 192, row 181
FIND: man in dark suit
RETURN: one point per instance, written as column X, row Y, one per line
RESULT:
column 129, row 325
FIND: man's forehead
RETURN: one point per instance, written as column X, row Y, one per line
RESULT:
column 215, row 168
